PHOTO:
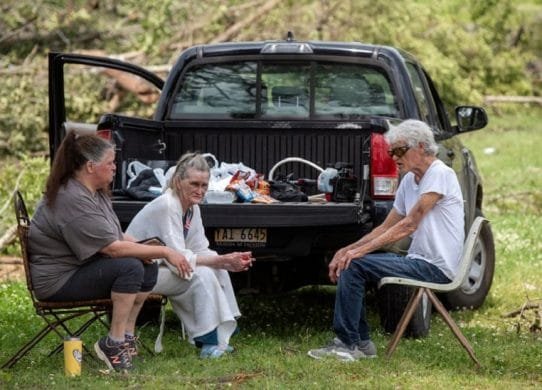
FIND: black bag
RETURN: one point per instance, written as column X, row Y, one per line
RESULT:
column 139, row 188
column 286, row 192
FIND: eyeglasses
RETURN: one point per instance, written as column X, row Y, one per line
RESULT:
column 398, row 151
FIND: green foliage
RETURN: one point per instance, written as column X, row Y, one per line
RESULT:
column 159, row 23
column 28, row 175
column 511, row 165
column 470, row 48
column 23, row 114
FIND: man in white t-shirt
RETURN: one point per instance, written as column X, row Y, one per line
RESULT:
column 429, row 208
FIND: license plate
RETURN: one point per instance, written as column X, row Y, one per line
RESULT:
column 245, row 236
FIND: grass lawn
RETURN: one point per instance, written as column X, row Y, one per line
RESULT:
column 277, row 331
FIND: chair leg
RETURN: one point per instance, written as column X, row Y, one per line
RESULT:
column 147, row 348
column 59, row 322
column 96, row 316
column 453, row 326
column 403, row 322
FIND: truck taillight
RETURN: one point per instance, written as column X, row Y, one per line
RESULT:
column 105, row 134
column 384, row 175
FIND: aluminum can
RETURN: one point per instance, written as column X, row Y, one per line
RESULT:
column 73, row 356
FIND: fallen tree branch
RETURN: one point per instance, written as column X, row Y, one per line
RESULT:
column 17, row 70
column 8, row 201
column 534, row 318
column 235, row 28
column 141, row 88
column 8, row 237
column 49, row 38
column 512, row 99
column 17, row 29
column 526, row 306
column 243, row 6
column 186, row 36
column 5, row 260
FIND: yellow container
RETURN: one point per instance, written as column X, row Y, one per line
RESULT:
column 73, row 356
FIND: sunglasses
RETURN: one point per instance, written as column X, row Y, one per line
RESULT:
column 398, row 151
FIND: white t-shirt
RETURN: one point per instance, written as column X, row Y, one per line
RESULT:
column 440, row 235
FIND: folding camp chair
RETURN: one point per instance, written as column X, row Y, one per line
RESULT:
column 57, row 315
column 428, row 288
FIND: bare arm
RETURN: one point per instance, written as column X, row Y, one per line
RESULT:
column 393, row 229
column 392, row 219
column 146, row 253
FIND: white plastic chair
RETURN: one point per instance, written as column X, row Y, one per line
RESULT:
column 428, row 288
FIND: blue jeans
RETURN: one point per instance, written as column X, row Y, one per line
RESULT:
column 349, row 321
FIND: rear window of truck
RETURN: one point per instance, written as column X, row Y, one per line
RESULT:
column 270, row 90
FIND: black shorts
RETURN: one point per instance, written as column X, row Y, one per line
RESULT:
column 98, row 278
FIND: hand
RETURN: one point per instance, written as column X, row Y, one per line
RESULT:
column 340, row 262
column 237, row 261
column 180, row 263
column 349, row 256
column 147, row 260
column 335, row 265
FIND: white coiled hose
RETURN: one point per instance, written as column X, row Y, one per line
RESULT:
column 292, row 159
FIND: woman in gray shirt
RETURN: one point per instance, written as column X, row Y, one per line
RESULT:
column 78, row 251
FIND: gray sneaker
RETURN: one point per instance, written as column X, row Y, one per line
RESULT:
column 337, row 349
column 368, row 348
column 116, row 356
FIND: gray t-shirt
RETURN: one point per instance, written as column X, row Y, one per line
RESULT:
column 67, row 236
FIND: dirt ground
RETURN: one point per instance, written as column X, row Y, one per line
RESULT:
column 11, row 268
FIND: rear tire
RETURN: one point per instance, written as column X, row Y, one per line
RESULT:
column 392, row 301
column 474, row 290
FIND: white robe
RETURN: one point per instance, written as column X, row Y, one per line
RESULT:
column 204, row 302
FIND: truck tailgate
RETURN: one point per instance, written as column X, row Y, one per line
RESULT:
column 260, row 215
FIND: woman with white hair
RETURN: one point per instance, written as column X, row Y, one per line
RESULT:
column 204, row 300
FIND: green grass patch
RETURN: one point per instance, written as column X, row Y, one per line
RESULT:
column 277, row 331
column 510, row 161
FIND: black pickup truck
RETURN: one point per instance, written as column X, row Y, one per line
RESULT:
column 276, row 105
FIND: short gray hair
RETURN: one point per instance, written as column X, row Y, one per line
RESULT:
column 189, row 160
column 413, row 132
